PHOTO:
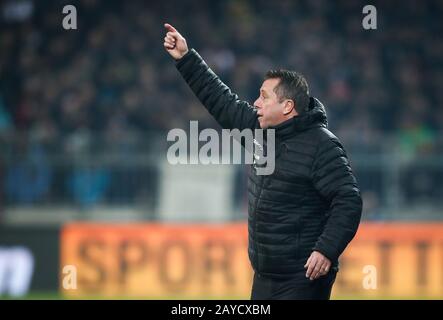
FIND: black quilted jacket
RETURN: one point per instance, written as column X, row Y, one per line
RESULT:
column 310, row 202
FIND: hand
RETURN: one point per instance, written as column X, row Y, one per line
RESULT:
column 318, row 265
column 174, row 43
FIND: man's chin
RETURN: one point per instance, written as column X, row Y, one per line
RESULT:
column 262, row 125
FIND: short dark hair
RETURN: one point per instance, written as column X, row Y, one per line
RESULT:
column 292, row 85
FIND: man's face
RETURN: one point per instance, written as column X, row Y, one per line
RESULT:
column 269, row 110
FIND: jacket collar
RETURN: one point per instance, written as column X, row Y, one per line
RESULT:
column 314, row 116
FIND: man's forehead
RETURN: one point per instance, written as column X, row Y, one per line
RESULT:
column 269, row 84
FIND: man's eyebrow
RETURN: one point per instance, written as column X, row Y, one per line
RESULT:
column 263, row 91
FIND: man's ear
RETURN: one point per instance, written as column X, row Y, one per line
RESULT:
column 289, row 106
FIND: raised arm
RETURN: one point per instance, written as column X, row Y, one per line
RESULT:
column 225, row 106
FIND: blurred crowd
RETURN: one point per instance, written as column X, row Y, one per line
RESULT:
column 110, row 83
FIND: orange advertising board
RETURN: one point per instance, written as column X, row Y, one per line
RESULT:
column 407, row 259
column 155, row 260
column 385, row 260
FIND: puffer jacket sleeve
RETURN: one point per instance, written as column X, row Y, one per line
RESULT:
column 333, row 178
column 223, row 105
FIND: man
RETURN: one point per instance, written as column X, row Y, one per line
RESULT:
column 303, row 215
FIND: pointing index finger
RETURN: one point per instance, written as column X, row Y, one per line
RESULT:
column 170, row 28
